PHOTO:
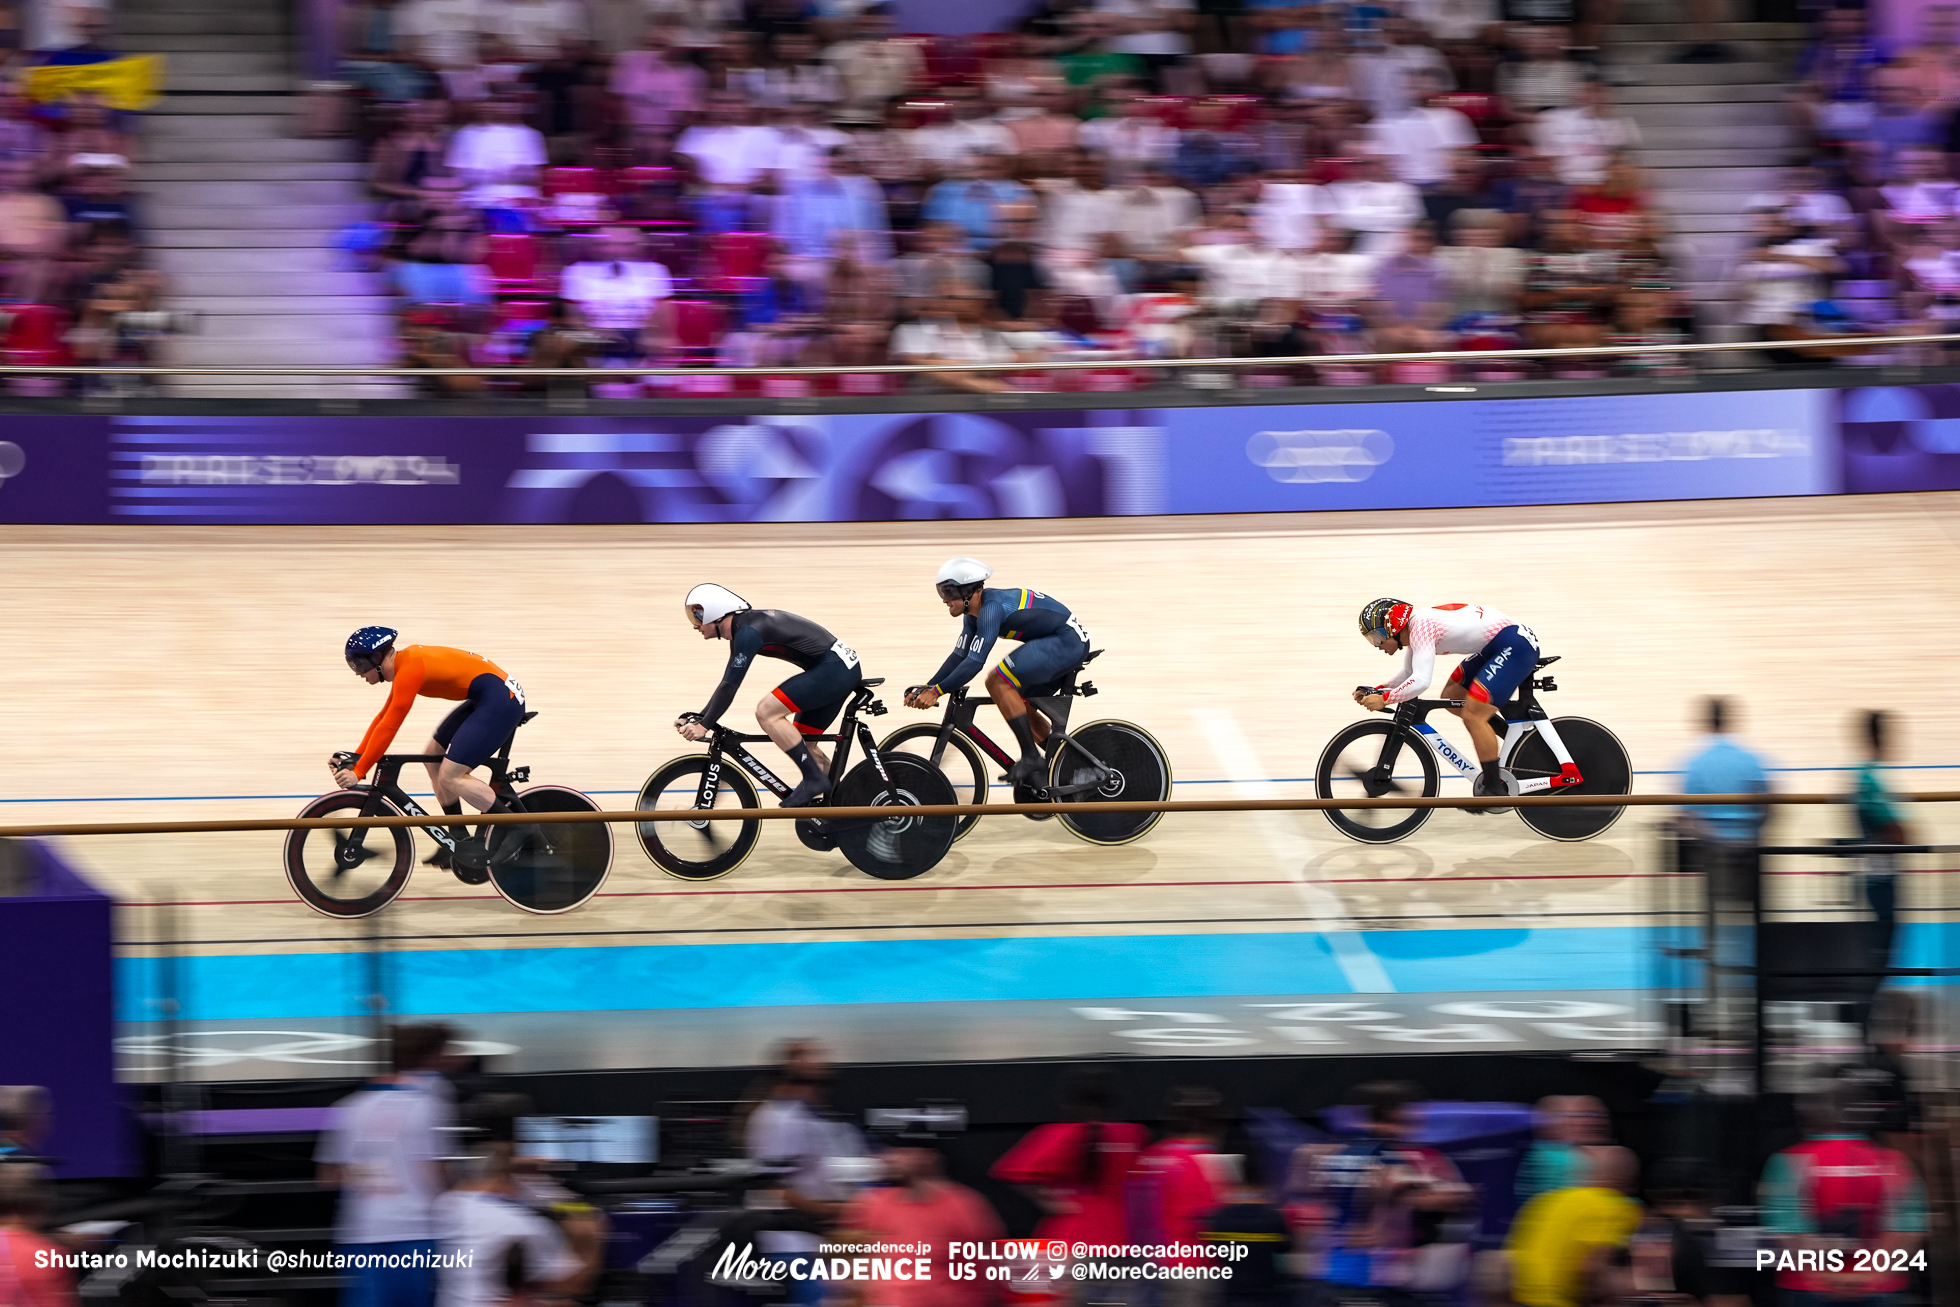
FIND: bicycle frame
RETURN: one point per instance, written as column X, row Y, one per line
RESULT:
column 386, row 785
column 723, row 742
column 961, row 709
column 1530, row 716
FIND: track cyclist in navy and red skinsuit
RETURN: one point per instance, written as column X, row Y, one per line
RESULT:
column 804, row 705
column 1502, row 653
column 1053, row 644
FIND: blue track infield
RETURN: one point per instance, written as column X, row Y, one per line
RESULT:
column 275, row 986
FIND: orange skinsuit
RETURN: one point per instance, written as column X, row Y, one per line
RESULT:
column 427, row 669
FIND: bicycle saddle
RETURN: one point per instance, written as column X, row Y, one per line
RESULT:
column 1546, row 661
column 1093, row 655
column 525, row 718
column 870, row 682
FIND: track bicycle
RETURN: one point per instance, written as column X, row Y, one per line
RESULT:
column 1101, row 762
column 1360, row 762
column 357, row 871
column 898, row 847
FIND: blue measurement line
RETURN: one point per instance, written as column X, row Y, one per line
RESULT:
column 1271, row 780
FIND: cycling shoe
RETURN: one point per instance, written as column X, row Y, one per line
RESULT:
column 1028, row 771
column 807, row 793
column 1482, row 791
column 512, row 841
column 471, row 861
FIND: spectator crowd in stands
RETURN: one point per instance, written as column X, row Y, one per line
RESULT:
column 783, row 182
column 74, row 286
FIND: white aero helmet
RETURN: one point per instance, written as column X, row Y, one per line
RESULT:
column 959, row 577
column 710, row 603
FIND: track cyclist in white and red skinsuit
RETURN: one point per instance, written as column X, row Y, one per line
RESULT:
column 1501, row 654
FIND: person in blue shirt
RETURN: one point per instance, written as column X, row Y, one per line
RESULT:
column 973, row 203
column 1723, row 766
column 1053, row 644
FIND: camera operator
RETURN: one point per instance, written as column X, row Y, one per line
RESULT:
column 527, row 1242
column 785, row 1129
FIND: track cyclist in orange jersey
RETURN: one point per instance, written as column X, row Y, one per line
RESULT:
column 492, row 708
column 1501, row 654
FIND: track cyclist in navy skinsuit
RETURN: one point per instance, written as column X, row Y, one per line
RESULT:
column 1053, row 644
column 804, row 705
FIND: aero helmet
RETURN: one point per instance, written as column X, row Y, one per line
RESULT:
column 710, row 603
column 959, row 577
column 368, row 646
column 1382, row 618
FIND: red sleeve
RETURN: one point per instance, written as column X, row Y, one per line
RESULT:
column 401, row 697
column 1047, row 1154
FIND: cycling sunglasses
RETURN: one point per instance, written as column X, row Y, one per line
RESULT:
column 361, row 666
column 954, row 591
column 694, row 612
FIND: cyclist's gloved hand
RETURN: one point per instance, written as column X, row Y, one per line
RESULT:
column 691, row 727
column 922, row 696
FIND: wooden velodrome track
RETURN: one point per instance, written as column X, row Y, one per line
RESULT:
column 195, row 672
column 204, row 663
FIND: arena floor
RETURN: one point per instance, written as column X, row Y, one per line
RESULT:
column 196, row 672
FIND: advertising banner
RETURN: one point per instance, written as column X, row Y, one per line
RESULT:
column 895, row 467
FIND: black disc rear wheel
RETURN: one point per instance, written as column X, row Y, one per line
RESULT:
column 965, row 766
column 562, row 864
column 696, row 850
column 351, row 872
column 901, row 846
column 1358, row 764
column 1120, row 761
column 1603, row 762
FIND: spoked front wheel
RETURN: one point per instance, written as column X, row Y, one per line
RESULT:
column 1121, row 761
column 562, row 864
column 696, row 850
column 1362, row 762
column 901, row 846
column 354, row 871
column 1603, row 762
column 965, row 766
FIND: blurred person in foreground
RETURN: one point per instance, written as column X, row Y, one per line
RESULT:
column 1879, row 824
column 517, row 1254
column 24, row 1117
column 1682, row 1234
column 1565, row 1244
column 785, row 1129
column 1178, row 1182
column 921, row 1206
column 1386, row 1199
column 1837, row 1190
column 24, row 1199
column 383, row 1153
column 1249, row 1217
column 1569, row 1127
column 1076, row 1170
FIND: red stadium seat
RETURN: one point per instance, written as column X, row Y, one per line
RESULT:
column 34, row 338
column 1170, row 110
column 512, row 261
column 860, row 383
column 738, row 258
column 698, row 328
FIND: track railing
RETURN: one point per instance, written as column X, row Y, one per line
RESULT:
column 1821, row 346
column 953, row 810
